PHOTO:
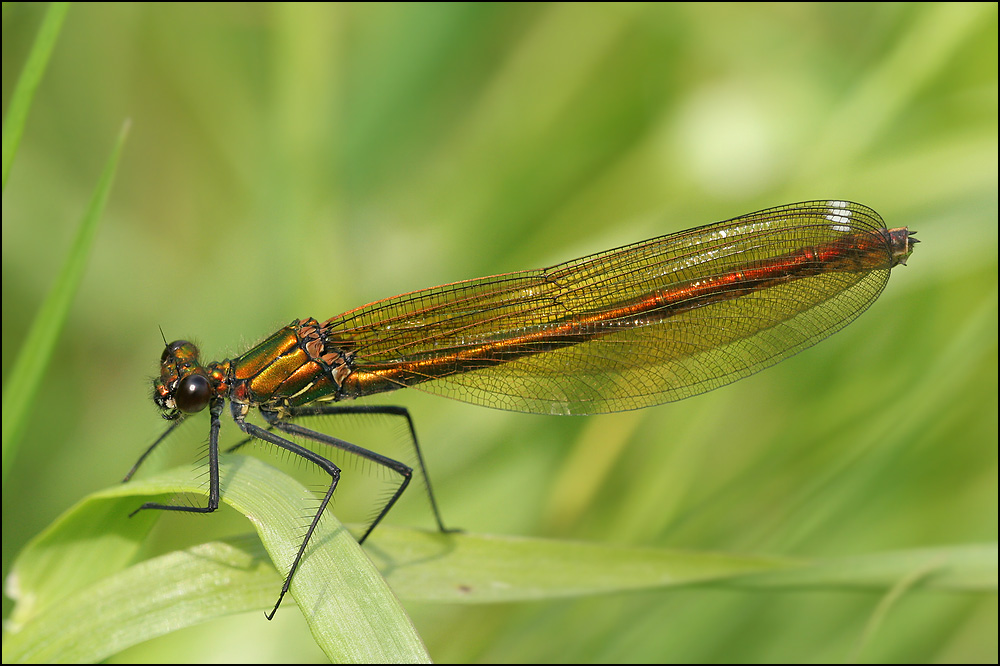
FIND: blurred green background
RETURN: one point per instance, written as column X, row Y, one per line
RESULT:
column 289, row 161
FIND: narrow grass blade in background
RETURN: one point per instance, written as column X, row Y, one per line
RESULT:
column 24, row 92
column 33, row 359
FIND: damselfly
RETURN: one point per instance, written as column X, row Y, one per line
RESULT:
column 641, row 325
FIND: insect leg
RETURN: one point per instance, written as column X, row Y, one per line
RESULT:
column 403, row 470
column 145, row 455
column 266, row 435
column 213, row 468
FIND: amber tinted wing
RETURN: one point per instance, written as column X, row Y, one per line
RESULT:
column 644, row 324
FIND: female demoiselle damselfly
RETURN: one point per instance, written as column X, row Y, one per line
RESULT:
column 641, row 325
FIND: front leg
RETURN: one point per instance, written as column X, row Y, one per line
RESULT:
column 213, row 468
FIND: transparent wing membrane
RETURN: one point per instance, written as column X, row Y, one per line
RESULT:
column 644, row 324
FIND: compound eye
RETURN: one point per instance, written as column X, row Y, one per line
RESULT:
column 174, row 348
column 192, row 394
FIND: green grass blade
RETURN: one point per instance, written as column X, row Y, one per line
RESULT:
column 470, row 568
column 78, row 600
column 351, row 611
column 29, row 368
column 152, row 598
column 958, row 568
column 24, row 91
column 885, row 604
column 84, row 545
column 480, row 568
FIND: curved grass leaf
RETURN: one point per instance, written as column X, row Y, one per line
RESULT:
column 152, row 598
column 351, row 612
column 79, row 601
